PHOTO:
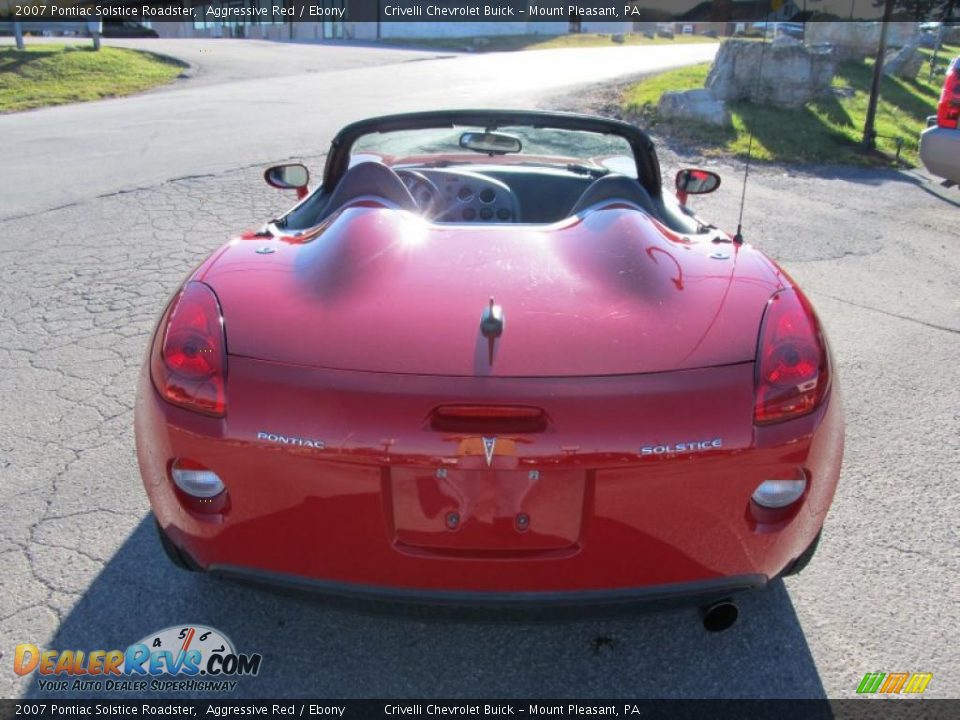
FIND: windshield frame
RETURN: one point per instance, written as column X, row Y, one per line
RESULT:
column 644, row 155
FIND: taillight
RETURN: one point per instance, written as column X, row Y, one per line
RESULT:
column 189, row 356
column 793, row 364
column 948, row 111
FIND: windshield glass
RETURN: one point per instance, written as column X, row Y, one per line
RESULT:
column 441, row 146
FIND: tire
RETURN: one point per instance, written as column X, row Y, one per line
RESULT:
column 805, row 557
column 177, row 557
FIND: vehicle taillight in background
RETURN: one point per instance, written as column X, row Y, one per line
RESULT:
column 188, row 360
column 948, row 111
column 793, row 364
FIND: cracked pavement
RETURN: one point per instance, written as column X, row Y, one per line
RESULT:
column 81, row 568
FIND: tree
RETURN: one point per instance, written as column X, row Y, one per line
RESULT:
column 915, row 10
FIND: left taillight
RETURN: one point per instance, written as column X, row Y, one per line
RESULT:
column 188, row 359
column 793, row 363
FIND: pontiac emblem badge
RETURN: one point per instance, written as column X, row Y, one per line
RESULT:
column 488, row 446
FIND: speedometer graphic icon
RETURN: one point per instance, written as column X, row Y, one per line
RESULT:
column 198, row 642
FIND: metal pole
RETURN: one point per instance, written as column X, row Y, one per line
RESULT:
column 869, row 134
column 18, row 32
column 93, row 27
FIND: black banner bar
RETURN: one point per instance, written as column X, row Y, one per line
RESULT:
column 432, row 11
column 863, row 708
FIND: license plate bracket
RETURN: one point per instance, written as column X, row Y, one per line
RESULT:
column 487, row 510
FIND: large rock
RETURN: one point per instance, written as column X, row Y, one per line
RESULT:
column 903, row 63
column 699, row 105
column 790, row 75
column 786, row 41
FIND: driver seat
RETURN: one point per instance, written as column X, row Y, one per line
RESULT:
column 614, row 187
column 370, row 180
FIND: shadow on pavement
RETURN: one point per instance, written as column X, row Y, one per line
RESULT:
column 312, row 650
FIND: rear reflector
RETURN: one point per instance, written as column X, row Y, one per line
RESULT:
column 195, row 479
column 780, row 493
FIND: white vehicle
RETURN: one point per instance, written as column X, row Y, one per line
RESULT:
column 940, row 143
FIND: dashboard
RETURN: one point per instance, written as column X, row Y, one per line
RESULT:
column 459, row 196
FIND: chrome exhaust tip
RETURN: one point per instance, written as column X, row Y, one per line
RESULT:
column 719, row 616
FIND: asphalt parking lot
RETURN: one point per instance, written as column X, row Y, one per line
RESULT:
column 80, row 289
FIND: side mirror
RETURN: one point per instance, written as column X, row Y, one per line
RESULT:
column 696, row 182
column 292, row 176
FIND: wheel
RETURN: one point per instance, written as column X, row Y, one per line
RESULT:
column 805, row 557
column 177, row 557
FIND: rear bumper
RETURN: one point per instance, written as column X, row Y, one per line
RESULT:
column 480, row 603
column 940, row 152
column 364, row 515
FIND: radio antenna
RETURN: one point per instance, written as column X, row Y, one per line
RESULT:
column 738, row 238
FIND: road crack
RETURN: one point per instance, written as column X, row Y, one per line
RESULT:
column 932, row 326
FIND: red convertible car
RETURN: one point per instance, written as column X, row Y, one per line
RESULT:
column 489, row 361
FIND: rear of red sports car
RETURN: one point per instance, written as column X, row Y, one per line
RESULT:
column 594, row 410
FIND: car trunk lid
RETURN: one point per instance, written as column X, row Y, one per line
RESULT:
column 382, row 290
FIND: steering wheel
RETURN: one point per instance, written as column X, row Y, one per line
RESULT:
column 422, row 188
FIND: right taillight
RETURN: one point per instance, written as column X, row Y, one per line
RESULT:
column 948, row 111
column 793, row 364
column 188, row 360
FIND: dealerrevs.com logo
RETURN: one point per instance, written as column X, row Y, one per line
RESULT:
column 176, row 659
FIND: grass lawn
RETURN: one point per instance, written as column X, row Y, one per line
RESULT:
column 825, row 130
column 45, row 75
column 502, row 43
